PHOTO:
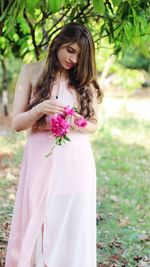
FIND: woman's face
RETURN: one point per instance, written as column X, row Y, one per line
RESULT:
column 68, row 55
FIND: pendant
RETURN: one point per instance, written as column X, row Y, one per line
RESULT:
column 56, row 96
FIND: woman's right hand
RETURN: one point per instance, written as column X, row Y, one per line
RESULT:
column 50, row 107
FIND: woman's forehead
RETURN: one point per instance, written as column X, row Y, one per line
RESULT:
column 73, row 46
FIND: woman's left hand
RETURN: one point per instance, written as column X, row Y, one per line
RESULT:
column 72, row 121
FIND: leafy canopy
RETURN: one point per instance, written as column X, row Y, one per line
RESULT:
column 28, row 26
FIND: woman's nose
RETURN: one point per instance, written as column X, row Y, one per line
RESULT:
column 73, row 58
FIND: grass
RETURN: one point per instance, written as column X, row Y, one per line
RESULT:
column 10, row 159
column 122, row 153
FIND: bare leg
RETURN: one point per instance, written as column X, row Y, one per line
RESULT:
column 42, row 241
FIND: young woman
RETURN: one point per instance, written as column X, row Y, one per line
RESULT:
column 54, row 218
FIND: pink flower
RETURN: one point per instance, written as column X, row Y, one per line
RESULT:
column 69, row 111
column 59, row 126
column 81, row 122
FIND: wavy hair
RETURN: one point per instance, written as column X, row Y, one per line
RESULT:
column 82, row 76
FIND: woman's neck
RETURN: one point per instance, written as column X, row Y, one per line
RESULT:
column 61, row 76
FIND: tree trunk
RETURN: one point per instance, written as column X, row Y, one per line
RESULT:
column 4, row 89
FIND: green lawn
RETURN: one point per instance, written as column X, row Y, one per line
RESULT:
column 122, row 153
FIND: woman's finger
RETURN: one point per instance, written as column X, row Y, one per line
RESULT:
column 73, row 125
column 54, row 110
column 55, row 103
column 77, row 116
column 55, row 107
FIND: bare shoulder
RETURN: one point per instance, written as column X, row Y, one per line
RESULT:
column 35, row 65
column 28, row 76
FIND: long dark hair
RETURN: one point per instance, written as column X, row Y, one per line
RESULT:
column 82, row 76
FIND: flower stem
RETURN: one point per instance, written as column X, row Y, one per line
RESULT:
column 46, row 156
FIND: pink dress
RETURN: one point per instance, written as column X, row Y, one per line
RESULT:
column 54, row 218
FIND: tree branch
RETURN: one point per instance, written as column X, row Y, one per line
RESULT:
column 44, row 16
column 32, row 31
column 50, row 36
column 55, row 24
column 82, row 11
column 1, row 27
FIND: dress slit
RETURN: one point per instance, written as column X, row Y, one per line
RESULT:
column 40, row 250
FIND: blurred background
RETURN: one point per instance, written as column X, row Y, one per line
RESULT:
column 121, row 146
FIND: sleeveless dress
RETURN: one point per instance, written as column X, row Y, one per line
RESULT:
column 54, row 217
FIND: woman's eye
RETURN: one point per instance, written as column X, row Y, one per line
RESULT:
column 70, row 50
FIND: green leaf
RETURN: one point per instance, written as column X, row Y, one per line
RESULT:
column 12, row 11
column 6, row 11
column 67, row 138
column 73, row 12
column 2, row 42
column 75, row 109
column 68, row 2
column 99, row 6
column 58, row 140
column 32, row 4
column 54, row 5
column 19, row 8
column 116, row 2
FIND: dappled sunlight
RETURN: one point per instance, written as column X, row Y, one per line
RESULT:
column 135, row 107
column 131, row 137
column 133, row 116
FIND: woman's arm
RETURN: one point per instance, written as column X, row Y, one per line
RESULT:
column 22, row 117
column 90, row 128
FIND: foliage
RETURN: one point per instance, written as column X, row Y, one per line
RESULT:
column 135, row 60
column 127, row 79
column 125, row 75
column 13, row 67
column 28, row 26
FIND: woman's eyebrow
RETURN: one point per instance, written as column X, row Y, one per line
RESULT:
column 72, row 48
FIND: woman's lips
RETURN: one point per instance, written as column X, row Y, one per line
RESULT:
column 69, row 64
